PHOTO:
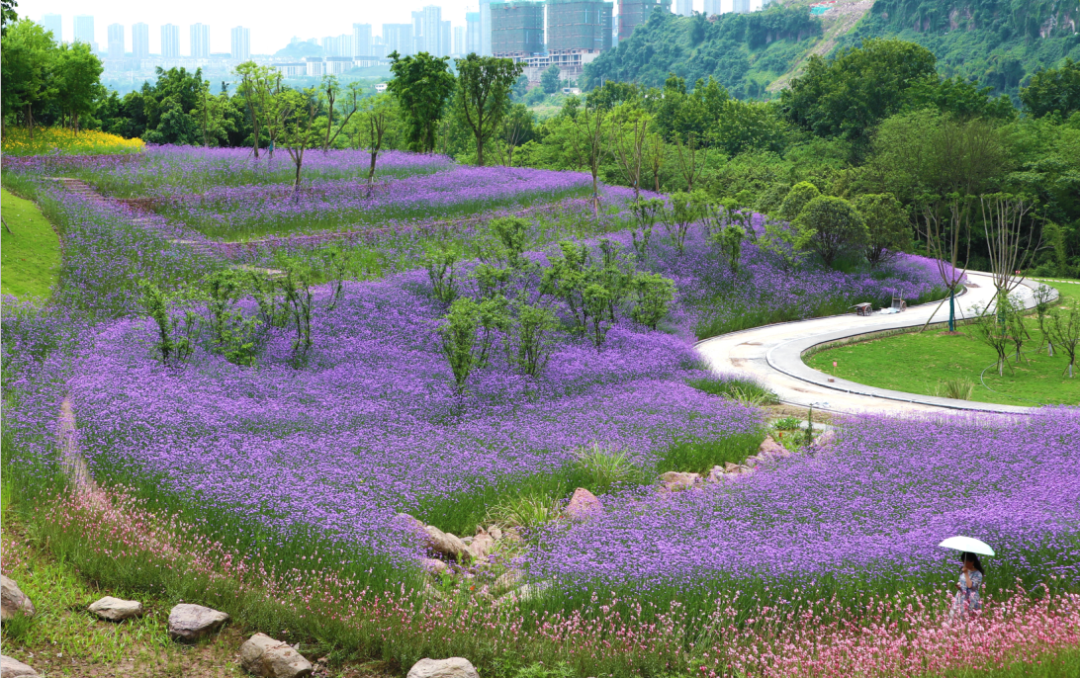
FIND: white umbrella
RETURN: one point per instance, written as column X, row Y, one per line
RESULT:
column 968, row 544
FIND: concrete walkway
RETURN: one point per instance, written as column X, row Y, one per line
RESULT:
column 773, row 355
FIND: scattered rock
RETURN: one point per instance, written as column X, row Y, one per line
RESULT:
column 509, row 579
column 191, row 622
column 115, row 609
column 12, row 668
column 495, row 532
column 771, row 447
column 264, row 656
column 434, row 566
column 730, row 467
column 466, row 540
column 824, row 441
column 454, row 667
column 12, row 600
column 675, row 481
column 445, row 543
column 583, row 504
column 482, row 545
column 750, row 462
column 716, row 475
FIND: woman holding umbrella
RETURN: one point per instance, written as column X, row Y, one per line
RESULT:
column 970, row 584
column 968, row 598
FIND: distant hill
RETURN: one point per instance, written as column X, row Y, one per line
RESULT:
column 299, row 50
column 998, row 42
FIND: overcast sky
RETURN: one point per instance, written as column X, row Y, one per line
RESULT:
column 272, row 24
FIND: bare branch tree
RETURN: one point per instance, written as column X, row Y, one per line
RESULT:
column 628, row 147
column 688, row 159
column 1009, row 225
column 589, row 146
column 945, row 226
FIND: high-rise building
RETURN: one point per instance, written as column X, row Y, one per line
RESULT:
column 240, row 44
column 200, row 41
column 634, row 12
column 684, row 7
column 398, row 38
column 485, row 27
column 472, row 32
column 116, row 41
column 713, row 7
column 84, row 29
column 428, row 32
column 517, row 28
column 338, row 45
column 575, row 25
column 53, row 24
column 170, row 41
column 446, row 47
column 140, row 41
column 740, row 6
column 362, row 40
column 459, row 41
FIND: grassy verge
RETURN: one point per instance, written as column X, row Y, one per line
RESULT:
column 934, row 360
column 29, row 250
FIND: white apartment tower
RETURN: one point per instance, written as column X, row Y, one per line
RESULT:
column 53, row 24
column 84, row 29
column 116, row 41
column 684, row 7
column 362, row 45
column 240, row 43
column 200, row 41
column 140, row 41
column 170, row 41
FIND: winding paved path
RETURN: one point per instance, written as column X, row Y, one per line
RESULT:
column 773, row 355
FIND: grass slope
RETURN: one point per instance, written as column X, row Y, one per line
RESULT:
column 919, row 362
column 29, row 250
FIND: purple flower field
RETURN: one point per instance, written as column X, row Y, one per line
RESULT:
column 287, row 455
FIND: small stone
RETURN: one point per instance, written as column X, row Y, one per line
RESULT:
column 445, row 543
column 434, row 566
column 675, row 481
column 825, row 440
column 191, row 622
column 771, row 447
column 454, row 667
column 482, row 545
column 583, row 504
column 264, row 656
column 751, row 462
column 115, row 609
column 12, row 600
column 716, row 475
column 730, row 467
column 467, row 541
column 496, row 532
column 13, row 668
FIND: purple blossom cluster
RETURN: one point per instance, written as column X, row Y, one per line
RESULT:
column 870, row 512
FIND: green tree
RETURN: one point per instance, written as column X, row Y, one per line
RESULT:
column 77, row 76
column 27, row 70
column 831, row 227
column 298, row 133
column 7, row 14
column 484, row 86
column 887, row 227
column 797, row 198
column 850, row 93
column 549, row 79
column 1053, row 90
column 422, row 84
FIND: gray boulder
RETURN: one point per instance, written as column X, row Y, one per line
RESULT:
column 12, row 600
column 191, row 622
column 454, row 667
column 481, row 546
column 264, row 656
column 675, row 481
column 115, row 609
column 13, row 668
column 445, row 543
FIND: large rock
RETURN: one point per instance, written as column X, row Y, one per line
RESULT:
column 264, row 656
column 824, row 442
column 771, row 448
column 583, row 504
column 434, row 566
column 675, row 481
column 115, row 609
column 730, row 467
column 454, row 667
column 12, row 600
column 12, row 668
column 191, row 622
column 445, row 543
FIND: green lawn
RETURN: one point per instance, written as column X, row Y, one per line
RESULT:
column 919, row 363
column 29, row 251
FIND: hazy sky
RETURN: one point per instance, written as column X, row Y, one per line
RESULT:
column 272, row 24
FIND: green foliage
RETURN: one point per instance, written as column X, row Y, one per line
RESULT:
column 729, row 243
column 957, row 389
column 484, row 85
column 295, row 286
column 653, row 295
column 28, row 74
column 887, row 225
column 645, row 212
column 797, row 198
column 422, row 84
column 176, row 333
column 549, row 79
column 232, row 334
column 466, row 335
column 831, row 227
column 685, row 209
column 30, row 251
column 440, row 260
column 787, row 423
column 603, row 469
column 1053, row 90
column 534, row 338
column 1063, row 328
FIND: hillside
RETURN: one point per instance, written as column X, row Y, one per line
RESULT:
column 998, row 42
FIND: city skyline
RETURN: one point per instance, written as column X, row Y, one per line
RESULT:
column 266, row 36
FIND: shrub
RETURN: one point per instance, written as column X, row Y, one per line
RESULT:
column 797, row 198
column 831, row 227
